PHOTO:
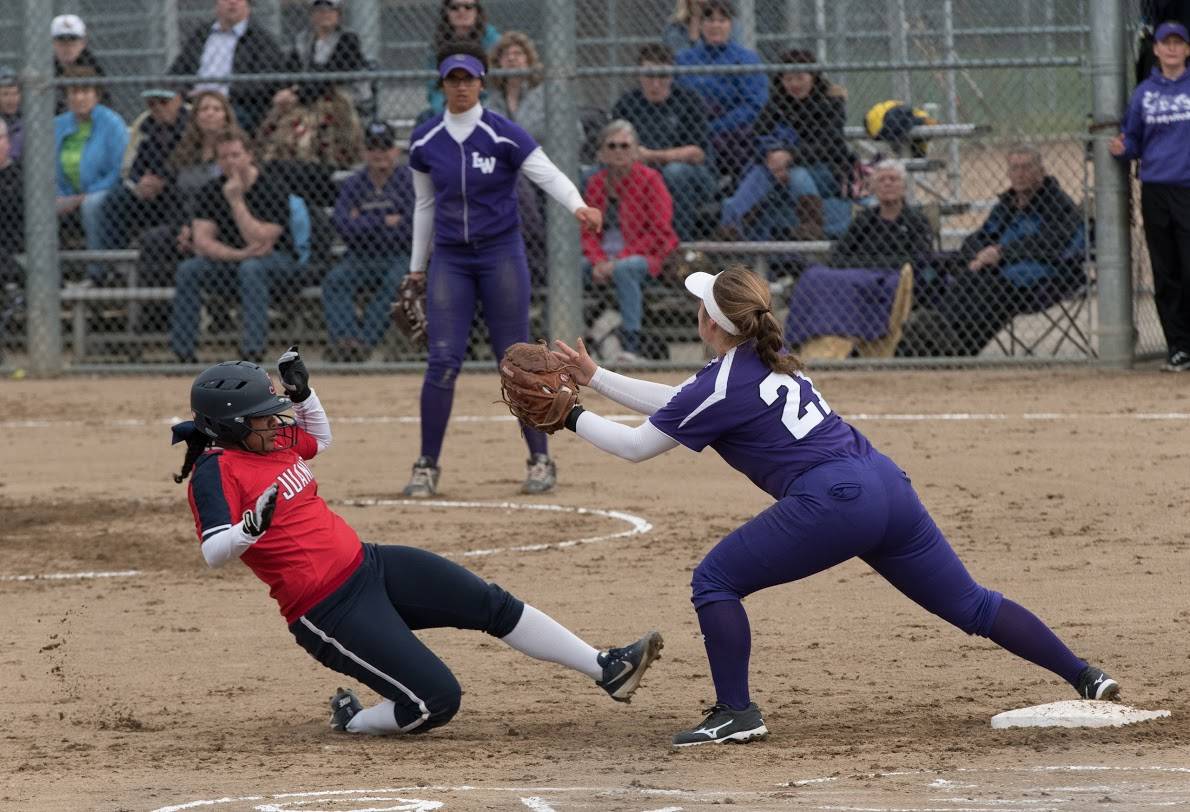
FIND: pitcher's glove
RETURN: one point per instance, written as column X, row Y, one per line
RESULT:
column 409, row 309
column 538, row 388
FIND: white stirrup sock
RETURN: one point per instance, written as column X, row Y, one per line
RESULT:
column 378, row 720
column 543, row 638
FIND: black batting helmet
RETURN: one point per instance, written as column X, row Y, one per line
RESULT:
column 224, row 396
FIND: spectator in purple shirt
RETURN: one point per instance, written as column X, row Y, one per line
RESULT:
column 465, row 164
column 374, row 216
column 835, row 497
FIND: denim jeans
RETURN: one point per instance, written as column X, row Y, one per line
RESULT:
column 254, row 277
column 91, row 215
column 629, row 277
column 690, row 185
column 378, row 277
column 761, row 207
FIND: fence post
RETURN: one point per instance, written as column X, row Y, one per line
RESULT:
column 565, row 304
column 1117, row 330
column 43, row 276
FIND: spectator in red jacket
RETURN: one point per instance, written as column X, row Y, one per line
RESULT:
column 637, row 232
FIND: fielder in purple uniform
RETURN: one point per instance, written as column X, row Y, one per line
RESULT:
column 465, row 164
column 836, row 496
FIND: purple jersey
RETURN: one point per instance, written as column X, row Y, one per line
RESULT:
column 768, row 426
column 475, row 199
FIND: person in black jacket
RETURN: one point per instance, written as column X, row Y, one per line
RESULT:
column 233, row 45
column 325, row 47
column 801, row 148
column 69, row 33
column 1024, row 256
column 888, row 234
column 12, row 236
column 146, row 196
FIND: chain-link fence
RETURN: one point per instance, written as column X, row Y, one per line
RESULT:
column 913, row 178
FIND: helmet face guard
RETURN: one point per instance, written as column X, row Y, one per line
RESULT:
column 226, row 396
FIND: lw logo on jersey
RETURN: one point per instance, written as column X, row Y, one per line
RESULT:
column 482, row 163
column 295, row 479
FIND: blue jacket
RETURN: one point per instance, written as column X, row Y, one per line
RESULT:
column 733, row 100
column 103, row 154
column 1157, row 129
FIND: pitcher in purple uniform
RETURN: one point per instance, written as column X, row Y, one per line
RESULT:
column 465, row 163
column 836, row 496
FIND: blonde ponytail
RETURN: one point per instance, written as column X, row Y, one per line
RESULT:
column 744, row 298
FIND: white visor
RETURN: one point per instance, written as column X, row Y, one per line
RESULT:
column 702, row 285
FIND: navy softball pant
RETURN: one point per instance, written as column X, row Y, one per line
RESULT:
column 364, row 629
column 861, row 507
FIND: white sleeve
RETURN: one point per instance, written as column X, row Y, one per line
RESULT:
column 228, row 543
column 633, row 444
column 423, row 220
column 311, row 417
column 641, row 396
column 541, row 170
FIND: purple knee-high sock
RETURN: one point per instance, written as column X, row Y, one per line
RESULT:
column 1023, row 633
column 536, row 440
column 436, row 403
column 728, row 638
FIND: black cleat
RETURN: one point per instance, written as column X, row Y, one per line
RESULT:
column 344, row 706
column 723, row 724
column 624, row 667
column 1094, row 684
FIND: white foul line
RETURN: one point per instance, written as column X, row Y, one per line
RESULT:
column 136, row 423
column 70, row 576
column 638, row 524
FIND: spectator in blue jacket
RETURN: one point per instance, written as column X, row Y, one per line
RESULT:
column 89, row 140
column 1157, row 131
column 733, row 100
column 374, row 216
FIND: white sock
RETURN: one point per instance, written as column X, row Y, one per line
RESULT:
column 378, row 720
column 543, row 638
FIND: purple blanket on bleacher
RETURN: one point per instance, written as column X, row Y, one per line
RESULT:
column 841, row 301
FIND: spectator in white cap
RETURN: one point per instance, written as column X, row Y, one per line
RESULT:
column 10, row 111
column 69, row 33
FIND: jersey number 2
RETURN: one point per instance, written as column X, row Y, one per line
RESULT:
column 815, row 412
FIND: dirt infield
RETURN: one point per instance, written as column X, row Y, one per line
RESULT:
column 179, row 685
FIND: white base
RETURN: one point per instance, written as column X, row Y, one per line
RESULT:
column 1075, row 713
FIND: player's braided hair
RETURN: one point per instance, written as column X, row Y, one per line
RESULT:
column 745, row 299
column 196, row 443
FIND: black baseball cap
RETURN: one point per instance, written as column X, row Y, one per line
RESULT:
column 379, row 135
column 8, row 76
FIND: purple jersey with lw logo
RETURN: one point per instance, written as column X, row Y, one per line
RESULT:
column 475, row 197
column 768, row 426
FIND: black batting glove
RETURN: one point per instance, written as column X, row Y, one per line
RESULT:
column 258, row 519
column 294, row 376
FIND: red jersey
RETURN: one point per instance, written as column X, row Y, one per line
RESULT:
column 308, row 550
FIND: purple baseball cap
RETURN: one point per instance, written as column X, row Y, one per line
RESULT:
column 1169, row 29
column 464, row 62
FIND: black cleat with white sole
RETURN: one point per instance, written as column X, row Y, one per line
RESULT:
column 624, row 667
column 1094, row 684
column 724, row 724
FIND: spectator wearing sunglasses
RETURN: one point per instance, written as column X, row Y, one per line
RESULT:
column 458, row 21
column 637, row 233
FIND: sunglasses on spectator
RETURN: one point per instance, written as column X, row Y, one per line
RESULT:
column 618, row 145
column 463, row 6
